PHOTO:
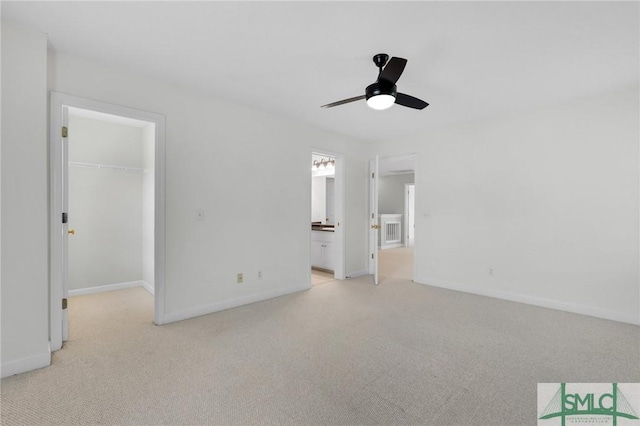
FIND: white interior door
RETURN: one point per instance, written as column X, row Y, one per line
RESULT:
column 373, row 218
column 410, row 209
column 65, row 225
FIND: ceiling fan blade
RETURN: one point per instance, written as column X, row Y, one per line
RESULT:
column 344, row 101
column 393, row 70
column 410, row 101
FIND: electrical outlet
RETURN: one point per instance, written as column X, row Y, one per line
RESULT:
column 490, row 272
column 240, row 278
column 259, row 275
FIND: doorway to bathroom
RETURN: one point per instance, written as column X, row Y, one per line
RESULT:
column 327, row 218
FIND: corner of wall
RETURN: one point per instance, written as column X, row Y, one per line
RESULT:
column 25, row 276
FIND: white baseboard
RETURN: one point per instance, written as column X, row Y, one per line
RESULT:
column 538, row 301
column 390, row 246
column 231, row 303
column 108, row 287
column 149, row 288
column 357, row 274
column 26, row 364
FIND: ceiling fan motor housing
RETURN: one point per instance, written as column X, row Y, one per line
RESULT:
column 381, row 87
column 380, row 60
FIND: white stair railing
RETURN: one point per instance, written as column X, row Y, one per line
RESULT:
column 390, row 231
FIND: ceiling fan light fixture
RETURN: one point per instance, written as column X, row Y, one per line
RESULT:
column 381, row 102
column 381, row 95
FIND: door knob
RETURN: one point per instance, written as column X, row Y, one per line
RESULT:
column 72, row 231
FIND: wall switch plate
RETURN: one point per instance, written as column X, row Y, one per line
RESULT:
column 259, row 275
column 240, row 278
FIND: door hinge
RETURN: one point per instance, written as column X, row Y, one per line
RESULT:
column 64, row 303
column 65, row 218
column 372, row 255
column 65, row 132
column 373, row 175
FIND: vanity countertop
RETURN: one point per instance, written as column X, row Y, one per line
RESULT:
column 315, row 226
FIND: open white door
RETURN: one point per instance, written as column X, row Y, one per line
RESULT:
column 65, row 223
column 409, row 211
column 373, row 218
column 59, row 227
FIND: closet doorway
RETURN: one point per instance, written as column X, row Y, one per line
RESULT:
column 107, row 215
column 110, row 207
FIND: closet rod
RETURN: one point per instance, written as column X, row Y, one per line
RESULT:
column 105, row 166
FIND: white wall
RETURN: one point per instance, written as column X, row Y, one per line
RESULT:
column 256, row 215
column 105, row 205
column 330, row 200
column 391, row 193
column 319, row 199
column 547, row 199
column 148, row 206
column 24, row 276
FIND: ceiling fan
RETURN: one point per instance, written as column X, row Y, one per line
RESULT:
column 384, row 92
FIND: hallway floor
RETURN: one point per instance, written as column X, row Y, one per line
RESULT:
column 395, row 263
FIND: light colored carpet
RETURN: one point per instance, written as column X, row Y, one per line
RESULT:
column 395, row 263
column 343, row 353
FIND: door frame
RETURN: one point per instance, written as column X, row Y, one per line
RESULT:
column 58, row 101
column 406, row 212
column 340, row 212
column 373, row 217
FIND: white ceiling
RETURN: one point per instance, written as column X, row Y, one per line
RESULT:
column 469, row 60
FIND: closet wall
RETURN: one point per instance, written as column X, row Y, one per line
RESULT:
column 148, row 206
column 106, row 203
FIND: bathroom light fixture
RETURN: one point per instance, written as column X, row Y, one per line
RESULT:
column 325, row 162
